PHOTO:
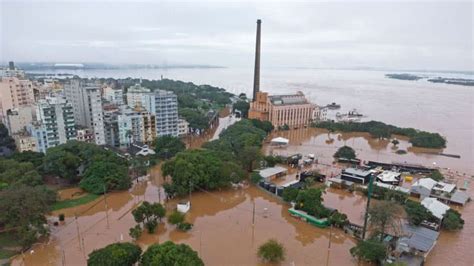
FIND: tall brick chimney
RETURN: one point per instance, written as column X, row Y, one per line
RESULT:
column 256, row 77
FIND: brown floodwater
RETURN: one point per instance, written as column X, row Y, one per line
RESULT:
column 453, row 248
column 223, row 233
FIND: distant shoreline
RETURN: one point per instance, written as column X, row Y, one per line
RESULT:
column 452, row 81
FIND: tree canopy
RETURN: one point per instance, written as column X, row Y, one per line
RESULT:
column 345, row 152
column 168, row 146
column 102, row 176
column 310, row 200
column 170, row 254
column 271, row 251
column 22, row 209
column 14, row 172
column 99, row 166
column 203, row 169
column 117, row 254
column 149, row 214
column 243, row 107
column 369, row 250
column 381, row 130
column 416, row 213
column 452, row 220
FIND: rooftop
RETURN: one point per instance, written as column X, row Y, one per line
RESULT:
column 444, row 187
column 460, row 197
column 271, row 171
column 288, row 99
column 357, row 172
column 389, row 176
column 420, row 238
column 436, row 207
column 425, row 182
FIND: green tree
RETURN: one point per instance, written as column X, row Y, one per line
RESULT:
column 416, row 212
column 290, row 194
column 22, row 210
column 249, row 157
column 310, row 200
column 13, row 172
column 369, row 250
column 135, row 232
column 105, row 176
column 243, row 107
column 255, row 177
column 36, row 158
column 168, row 146
column 170, row 254
column 452, row 220
column 345, row 152
column 436, row 175
column 149, row 214
column 338, row 219
column 384, row 215
column 176, row 218
column 117, row 254
column 271, row 251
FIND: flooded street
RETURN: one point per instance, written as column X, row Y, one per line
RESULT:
column 222, row 225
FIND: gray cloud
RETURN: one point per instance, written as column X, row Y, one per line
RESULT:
column 427, row 35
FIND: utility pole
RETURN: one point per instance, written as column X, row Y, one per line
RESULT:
column 106, row 208
column 253, row 214
column 329, row 246
column 78, row 232
column 366, row 218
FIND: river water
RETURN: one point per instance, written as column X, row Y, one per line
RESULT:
column 223, row 232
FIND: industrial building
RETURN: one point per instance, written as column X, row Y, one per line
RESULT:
column 292, row 110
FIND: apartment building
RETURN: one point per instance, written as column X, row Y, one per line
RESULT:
column 54, row 123
column 164, row 105
column 86, row 101
column 19, row 118
column 15, row 93
column 135, row 95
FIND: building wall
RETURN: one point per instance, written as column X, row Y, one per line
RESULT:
column 55, row 117
column 18, row 119
column 15, row 93
column 25, row 143
column 86, row 101
column 135, row 95
column 183, row 127
column 166, row 113
column 293, row 115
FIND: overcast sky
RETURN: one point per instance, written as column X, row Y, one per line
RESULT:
column 403, row 35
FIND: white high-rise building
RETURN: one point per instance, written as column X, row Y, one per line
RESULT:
column 54, row 123
column 164, row 105
column 87, row 104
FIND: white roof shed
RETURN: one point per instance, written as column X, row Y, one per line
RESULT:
column 436, row 207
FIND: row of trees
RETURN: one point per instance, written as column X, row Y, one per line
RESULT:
column 168, row 254
column 381, row 130
column 128, row 254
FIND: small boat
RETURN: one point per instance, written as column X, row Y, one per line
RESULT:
column 333, row 106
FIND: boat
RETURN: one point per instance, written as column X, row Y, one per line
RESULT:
column 333, row 106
